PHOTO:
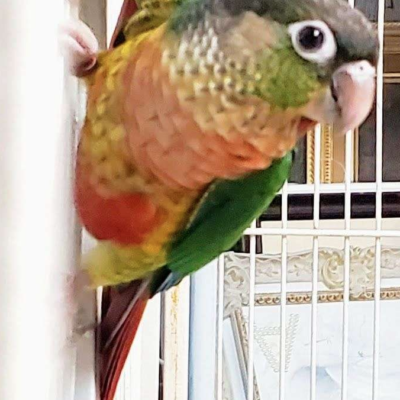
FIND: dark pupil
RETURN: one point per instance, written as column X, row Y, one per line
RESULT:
column 311, row 38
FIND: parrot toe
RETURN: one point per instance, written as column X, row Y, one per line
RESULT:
column 79, row 46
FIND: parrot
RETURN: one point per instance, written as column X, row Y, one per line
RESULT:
column 192, row 118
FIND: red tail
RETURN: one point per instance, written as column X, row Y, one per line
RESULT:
column 122, row 312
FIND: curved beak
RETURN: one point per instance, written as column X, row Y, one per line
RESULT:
column 349, row 99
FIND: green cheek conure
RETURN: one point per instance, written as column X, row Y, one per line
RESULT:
column 192, row 116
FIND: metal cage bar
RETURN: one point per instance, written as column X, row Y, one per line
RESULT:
column 220, row 326
column 284, row 249
column 252, row 284
column 346, row 272
column 379, row 160
column 315, row 268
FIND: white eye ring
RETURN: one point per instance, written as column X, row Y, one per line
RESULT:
column 313, row 40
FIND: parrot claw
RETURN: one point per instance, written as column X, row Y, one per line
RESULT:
column 79, row 46
column 80, row 331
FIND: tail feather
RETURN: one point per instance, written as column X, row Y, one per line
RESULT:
column 129, row 7
column 123, row 312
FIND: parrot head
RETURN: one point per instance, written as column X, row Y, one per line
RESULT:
column 315, row 59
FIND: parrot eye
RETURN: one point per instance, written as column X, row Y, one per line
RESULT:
column 311, row 38
column 313, row 41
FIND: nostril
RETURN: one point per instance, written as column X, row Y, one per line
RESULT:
column 365, row 68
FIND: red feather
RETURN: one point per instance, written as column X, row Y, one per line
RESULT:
column 123, row 311
column 123, row 218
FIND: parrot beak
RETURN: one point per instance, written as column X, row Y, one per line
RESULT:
column 349, row 99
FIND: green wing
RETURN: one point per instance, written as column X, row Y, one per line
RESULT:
column 227, row 210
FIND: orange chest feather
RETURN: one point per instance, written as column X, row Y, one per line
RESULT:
column 146, row 130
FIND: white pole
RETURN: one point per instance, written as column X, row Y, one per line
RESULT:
column 205, row 343
column 176, row 342
column 315, row 267
column 220, row 327
column 36, row 214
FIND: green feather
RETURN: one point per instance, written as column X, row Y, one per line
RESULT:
column 286, row 79
column 228, row 209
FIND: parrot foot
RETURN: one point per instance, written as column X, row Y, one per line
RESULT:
column 79, row 46
column 82, row 307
